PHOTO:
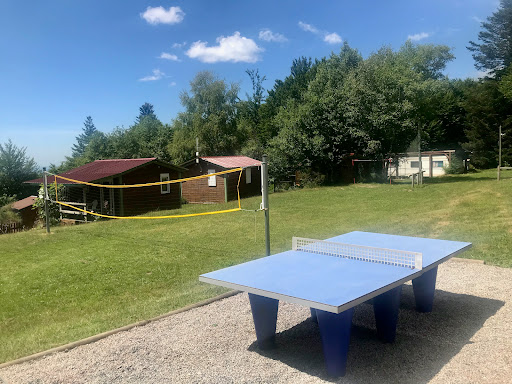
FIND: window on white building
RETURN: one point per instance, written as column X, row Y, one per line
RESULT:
column 415, row 164
column 437, row 164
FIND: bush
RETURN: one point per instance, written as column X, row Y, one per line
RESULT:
column 455, row 167
column 8, row 216
column 310, row 179
column 53, row 208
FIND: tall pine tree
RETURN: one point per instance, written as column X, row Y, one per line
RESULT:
column 145, row 110
column 84, row 138
column 494, row 53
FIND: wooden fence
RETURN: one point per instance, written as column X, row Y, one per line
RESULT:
column 11, row 228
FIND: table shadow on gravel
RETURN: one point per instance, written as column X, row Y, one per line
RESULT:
column 425, row 342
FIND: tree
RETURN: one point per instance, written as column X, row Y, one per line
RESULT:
column 293, row 87
column 15, row 168
column 210, row 115
column 83, row 139
column 494, row 52
column 250, row 118
column 372, row 108
column 487, row 109
column 148, row 138
column 314, row 134
column 146, row 110
column 428, row 60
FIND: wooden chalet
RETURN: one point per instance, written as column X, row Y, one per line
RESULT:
column 27, row 213
column 122, row 201
column 220, row 189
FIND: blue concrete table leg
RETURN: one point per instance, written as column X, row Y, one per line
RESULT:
column 335, row 331
column 424, row 287
column 264, row 314
column 386, row 307
column 313, row 315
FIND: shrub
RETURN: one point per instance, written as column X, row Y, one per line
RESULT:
column 310, row 179
column 455, row 167
column 53, row 208
column 8, row 216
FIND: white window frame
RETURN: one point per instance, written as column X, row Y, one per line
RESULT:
column 165, row 188
column 248, row 175
column 212, row 180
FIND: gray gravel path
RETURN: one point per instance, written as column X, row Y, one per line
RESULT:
column 466, row 339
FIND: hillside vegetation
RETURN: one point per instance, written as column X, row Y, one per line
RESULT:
column 82, row 280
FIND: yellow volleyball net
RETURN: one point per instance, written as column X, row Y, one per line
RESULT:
column 114, row 199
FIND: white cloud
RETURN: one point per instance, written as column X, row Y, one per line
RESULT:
column 477, row 19
column 172, row 84
column 308, row 27
column 157, row 75
column 267, row 35
column 179, row 45
column 328, row 37
column 234, row 48
column 418, row 36
column 168, row 56
column 332, row 38
column 158, row 15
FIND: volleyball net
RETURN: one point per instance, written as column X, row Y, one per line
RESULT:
column 117, row 199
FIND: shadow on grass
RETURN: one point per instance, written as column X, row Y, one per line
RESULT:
column 425, row 342
column 456, row 179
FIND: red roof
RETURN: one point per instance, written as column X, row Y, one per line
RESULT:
column 232, row 161
column 24, row 203
column 97, row 170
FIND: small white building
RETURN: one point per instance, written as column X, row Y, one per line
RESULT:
column 432, row 163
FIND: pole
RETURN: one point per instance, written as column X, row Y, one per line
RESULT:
column 499, row 156
column 264, row 202
column 420, row 174
column 45, row 179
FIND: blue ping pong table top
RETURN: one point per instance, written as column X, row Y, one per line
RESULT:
column 330, row 283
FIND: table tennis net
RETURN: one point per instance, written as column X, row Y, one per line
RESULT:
column 407, row 259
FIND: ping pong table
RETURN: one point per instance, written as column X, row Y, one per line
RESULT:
column 333, row 276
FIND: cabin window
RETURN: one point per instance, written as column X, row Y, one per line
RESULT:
column 415, row 164
column 437, row 164
column 164, row 188
column 248, row 175
column 212, row 181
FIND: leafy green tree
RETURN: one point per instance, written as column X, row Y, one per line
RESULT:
column 318, row 121
column 293, row 87
column 250, row 118
column 494, row 52
column 487, row 109
column 148, row 138
column 15, row 168
column 100, row 147
column 379, row 105
column 505, row 84
column 428, row 60
column 83, row 139
column 210, row 115
column 371, row 107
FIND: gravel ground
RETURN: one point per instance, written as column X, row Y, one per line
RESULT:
column 466, row 339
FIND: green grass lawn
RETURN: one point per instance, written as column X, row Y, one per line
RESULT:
column 82, row 280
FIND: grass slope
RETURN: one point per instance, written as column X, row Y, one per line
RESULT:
column 83, row 280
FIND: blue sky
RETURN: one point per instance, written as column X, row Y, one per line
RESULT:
column 63, row 60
